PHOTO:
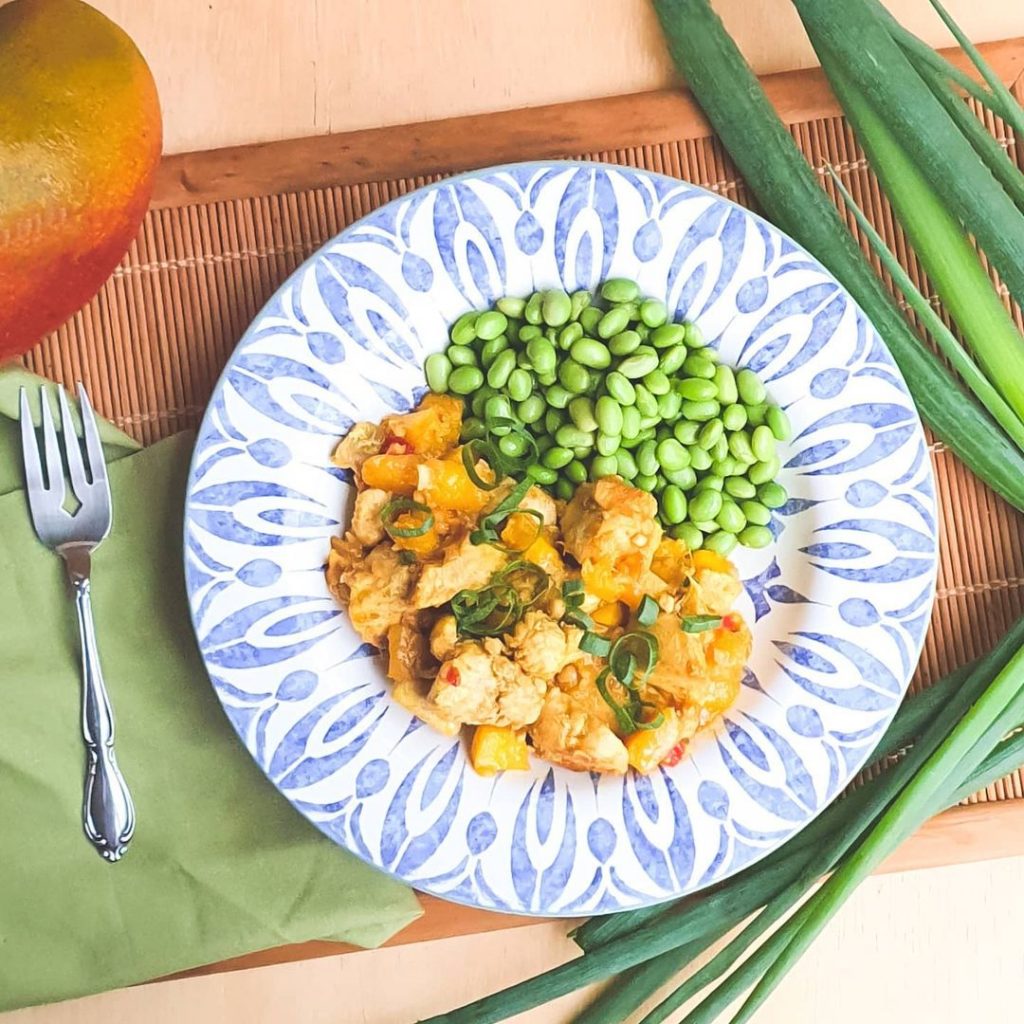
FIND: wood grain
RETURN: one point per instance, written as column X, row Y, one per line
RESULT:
column 461, row 143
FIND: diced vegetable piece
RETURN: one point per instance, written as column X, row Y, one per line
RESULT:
column 611, row 613
column 672, row 561
column 649, row 747
column 433, row 428
column 394, row 473
column 708, row 559
column 497, row 749
column 445, row 484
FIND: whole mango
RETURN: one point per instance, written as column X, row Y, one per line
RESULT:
column 80, row 139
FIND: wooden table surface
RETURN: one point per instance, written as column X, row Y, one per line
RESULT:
column 940, row 945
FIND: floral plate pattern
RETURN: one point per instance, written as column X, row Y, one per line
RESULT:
column 839, row 604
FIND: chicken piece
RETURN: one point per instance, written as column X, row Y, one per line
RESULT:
column 714, row 592
column 409, row 655
column 579, row 681
column 366, row 524
column 443, row 637
column 479, row 684
column 345, row 554
column 412, row 695
column 609, row 522
column 466, row 566
column 362, row 441
column 649, row 747
column 568, row 735
column 379, row 593
column 542, row 502
column 541, row 647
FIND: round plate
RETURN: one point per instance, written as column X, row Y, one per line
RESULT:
column 839, row 604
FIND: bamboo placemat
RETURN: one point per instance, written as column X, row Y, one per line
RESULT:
column 228, row 226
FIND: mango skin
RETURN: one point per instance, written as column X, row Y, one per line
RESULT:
column 80, row 139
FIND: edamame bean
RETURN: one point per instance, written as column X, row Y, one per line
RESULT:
column 730, row 518
column 689, row 535
column 480, row 399
column 645, row 482
column 496, row 407
column 749, row 385
column 725, row 381
column 710, row 483
column 672, row 455
column 472, row 428
column 588, row 352
column 721, row 542
column 653, row 312
column 686, row 432
column 643, row 331
column 490, row 350
column 683, row 478
column 573, row 376
column 626, row 463
column 699, row 459
column 608, row 444
column 463, row 331
column 546, row 379
column 648, row 423
column 529, row 331
column 632, row 309
column 553, row 419
column 673, row 504
column 460, row 355
column 740, row 487
column 531, row 409
column 564, row 489
column 523, row 361
column 756, row 537
column 646, row 403
column 590, row 318
column 541, row 474
column 630, row 421
column 581, row 411
column 603, row 465
column 464, row 380
column 556, row 307
column 756, row 414
column 542, row 355
column 756, row 513
column 544, row 442
column 739, row 445
column 557, row 457
column 557, row 396
column 613, row 322
column 705, row 505
column 519, row 385
column 700, row 412
column 582, row 451
column 620, row 388
column 660, row 483
column 725, row 466
column 669, row 405
column 694, row 336
column 570, row 436
column 763, row 472
column 710, row 433
column 668, row 335
column 624, row 343
column 511, row 306
column 578, row 302
column 568, row 335
column 620, row 289
column 762, row 443
column 672, row 359
column 640, row 363
column 772, row 495
column 647, row 458
column 608, row 414
column 490, row 324
column 696, row 389
column 438, row 368
column 512, row 445
column 575, row 471
column 734, row 417
column 532, row 310
column 705, row 525
column 778, row 421
column 502, row 367
column 720, row 449
column 657, row 383
column 698, row 366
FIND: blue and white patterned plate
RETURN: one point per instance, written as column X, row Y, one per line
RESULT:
column 839, row 604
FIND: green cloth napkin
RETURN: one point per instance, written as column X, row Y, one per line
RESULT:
column 221, row 864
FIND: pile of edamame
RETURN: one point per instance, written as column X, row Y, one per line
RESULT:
column 607, row 384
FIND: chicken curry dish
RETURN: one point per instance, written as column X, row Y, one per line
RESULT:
column 574, row 629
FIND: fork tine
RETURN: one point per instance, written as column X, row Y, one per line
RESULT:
column 30, row 450
column 72, row 448
column 93, row 445
column 54, row 462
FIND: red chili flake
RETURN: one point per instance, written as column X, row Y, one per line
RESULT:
column 395, row 445
column 732, row 622
column 451, row 676
column 674, row 756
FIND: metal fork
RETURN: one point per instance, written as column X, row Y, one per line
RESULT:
column 108, row 814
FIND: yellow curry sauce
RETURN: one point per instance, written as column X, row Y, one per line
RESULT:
column 426, row 546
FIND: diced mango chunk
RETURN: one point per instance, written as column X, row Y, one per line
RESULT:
column 432, row 429
column 672, row 561
column 445, row 484
column 707, row 559
column 396, row 474
column 498, row 749
column 647, row 748
column 610, row 613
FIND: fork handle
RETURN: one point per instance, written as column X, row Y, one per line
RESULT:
column 108, row 814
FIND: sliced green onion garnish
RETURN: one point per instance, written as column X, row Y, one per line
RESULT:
column 523, row 574
column 633, row 652
column 594, row 643
column 700, row 623
column 647, row 613
column 576, row 617
column 394, row 510
column 406, row 557
column 626, row 722
column 477, row 449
